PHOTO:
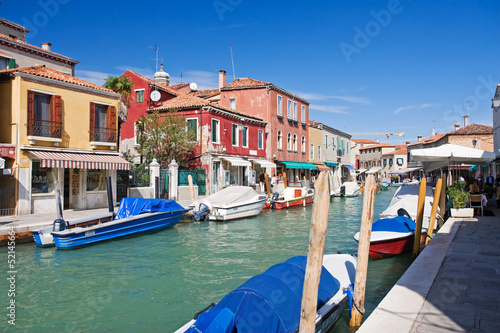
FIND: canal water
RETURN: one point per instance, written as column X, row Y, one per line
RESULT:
column 155, row 283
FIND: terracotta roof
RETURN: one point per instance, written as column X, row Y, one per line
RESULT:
column 23, row 43
column 428, row 140
column 206, row 93
column 473, row 129
column 400, row 150
column 245, row 82
column 378, row 145
column 179, row 86
column 364, row 141
column 46, row 72
column 152, row 82
column 188, row 101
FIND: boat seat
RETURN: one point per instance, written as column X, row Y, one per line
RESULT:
column 475, row 201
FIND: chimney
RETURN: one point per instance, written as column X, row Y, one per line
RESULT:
column 46, row 46
column 407, row 143
column 466, row 120
column 457, row 126
column 222, row 78
column 419, row 138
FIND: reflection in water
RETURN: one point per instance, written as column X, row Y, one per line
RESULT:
column 155, row 283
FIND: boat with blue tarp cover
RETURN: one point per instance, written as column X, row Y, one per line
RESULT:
column 135, row 216
column 271, row 301
column 391, row 236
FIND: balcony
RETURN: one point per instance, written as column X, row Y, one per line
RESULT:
column 44, row 130
column 100, row 136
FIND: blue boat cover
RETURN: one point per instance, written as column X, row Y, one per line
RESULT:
column 395, row 224
column 270, row 302
column 135, row 206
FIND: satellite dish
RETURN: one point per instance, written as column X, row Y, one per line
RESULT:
column 193, row 86
column 155, row 96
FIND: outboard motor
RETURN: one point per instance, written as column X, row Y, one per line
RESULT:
column 342, row 191
column 59, row 225
column 203, row 212
column 275, row 196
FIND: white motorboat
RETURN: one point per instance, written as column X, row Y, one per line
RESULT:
column 347, row 189
column 233, row 202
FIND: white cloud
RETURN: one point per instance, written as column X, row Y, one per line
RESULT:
column 203, row 79
column 414, row 107
column 321, row 97
column 92, row 76
column 328, row 108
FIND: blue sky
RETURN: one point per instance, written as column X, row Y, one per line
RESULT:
column 365, row 66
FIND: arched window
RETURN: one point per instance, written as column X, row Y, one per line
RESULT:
column 280, row 140
column 303, row 145
column 295, row 142
column 289, row 141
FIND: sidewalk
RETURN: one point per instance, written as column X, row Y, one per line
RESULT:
column 453, row 285
column 23, row 224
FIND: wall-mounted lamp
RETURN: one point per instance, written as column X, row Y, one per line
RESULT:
column 474, row 143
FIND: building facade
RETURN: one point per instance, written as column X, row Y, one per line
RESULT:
column 63, row 132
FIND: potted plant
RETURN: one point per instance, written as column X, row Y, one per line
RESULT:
column 459, row 199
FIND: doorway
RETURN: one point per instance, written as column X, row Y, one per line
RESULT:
column 66, row 189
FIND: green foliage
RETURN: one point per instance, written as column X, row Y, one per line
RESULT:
column 121, row 85
column 458, row 195
column 164, row 137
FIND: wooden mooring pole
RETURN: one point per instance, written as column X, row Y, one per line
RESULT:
column 363, row 251
column 267, row 185
column 317, row 233
column 420, row 217
column 435, row 203
column 442, row 201
column 191, row 188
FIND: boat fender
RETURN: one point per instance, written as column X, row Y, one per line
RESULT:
column 60, row 225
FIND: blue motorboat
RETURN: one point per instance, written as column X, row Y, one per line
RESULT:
column 135, row 216
column 271, row 301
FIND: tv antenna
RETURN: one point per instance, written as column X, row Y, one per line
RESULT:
column 156, row 58
column 232, row 61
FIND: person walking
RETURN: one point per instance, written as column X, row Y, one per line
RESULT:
column 262, row 181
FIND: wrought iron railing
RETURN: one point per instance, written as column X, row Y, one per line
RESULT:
column 45, row 128
column 101, row 134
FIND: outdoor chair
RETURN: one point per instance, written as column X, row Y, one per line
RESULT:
column 475, row 201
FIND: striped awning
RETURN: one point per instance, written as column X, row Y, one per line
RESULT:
column 322, row 167
column 80, row 161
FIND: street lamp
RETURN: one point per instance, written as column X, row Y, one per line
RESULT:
column 474, row 143
column 496, row 103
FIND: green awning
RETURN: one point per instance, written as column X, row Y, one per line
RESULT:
column 299, row 165
column 331, row 164
column 472, row 168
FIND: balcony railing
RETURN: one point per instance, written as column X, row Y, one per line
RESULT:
column 45, row 128
column 100, row 134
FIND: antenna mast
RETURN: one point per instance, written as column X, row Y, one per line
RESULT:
column 232, row 61
column 156, row 59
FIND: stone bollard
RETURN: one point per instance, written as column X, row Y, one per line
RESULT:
column 173, row 178
column 154, row 171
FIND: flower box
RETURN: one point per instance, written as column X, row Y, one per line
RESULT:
column 462, row 212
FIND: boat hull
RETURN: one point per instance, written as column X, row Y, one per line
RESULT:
column 250, row 209
column 128, row 227
column 282, row 204
column 43, row 237
column 381, row 249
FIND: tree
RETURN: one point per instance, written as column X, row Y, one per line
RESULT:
column 123, row 86
column 165, row 137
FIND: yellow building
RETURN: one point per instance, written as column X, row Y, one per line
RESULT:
column 63, row 132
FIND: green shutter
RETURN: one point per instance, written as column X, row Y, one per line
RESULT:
column 12, row 63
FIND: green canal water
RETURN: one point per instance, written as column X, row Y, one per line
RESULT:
column 155, row 283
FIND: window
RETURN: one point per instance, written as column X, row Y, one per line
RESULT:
column 102, row 123
column 333, row 143
column 215, row 131
column 303, row 114
column 139, row 95
column 192, row 127
column 261, row 139
column 347, row 147
column 319, row 153
column 289, row 141
column 235, row 135
column 4, row 63
column 390, row 162
column 244, row 137
column 42, row 179
column 312, row 152
column 399, row 161
column 295, row 142
column 44, row 115
column 96, row 180
column 232, row 103
column 294, row 110
column 280, row 106
column 303, row 146
column 289, row 109
column 326, row 141
column 280, row 140
column 385, row 162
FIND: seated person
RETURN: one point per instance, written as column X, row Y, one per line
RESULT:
column 474, row 188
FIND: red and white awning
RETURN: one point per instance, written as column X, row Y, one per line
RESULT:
column 80, row 161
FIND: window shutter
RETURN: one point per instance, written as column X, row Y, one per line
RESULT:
column 55, row 115
column 31, row 111
column 112, row 117
column 12, row 63
column 92, row 121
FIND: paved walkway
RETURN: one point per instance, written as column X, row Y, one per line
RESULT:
column 453, row 285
